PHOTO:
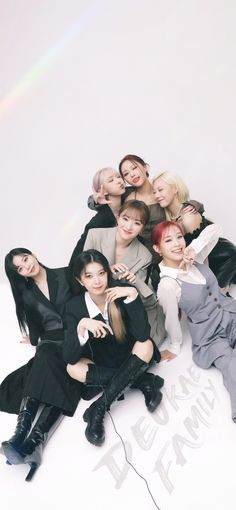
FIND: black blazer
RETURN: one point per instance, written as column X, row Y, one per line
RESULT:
column 107, row 351
column 43, row 315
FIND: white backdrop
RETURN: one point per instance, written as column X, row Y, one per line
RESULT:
column 83, row 83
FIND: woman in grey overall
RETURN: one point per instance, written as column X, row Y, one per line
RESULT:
column 189, row 285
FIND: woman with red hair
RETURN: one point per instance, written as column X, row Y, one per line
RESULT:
column 189, row 285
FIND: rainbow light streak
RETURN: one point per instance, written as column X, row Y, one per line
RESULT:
column 69, row 225
column 41, row 67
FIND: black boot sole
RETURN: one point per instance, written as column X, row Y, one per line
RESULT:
column 154, row 403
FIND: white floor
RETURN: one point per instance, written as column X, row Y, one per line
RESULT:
column 185, row 450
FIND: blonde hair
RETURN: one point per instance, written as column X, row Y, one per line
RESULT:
column 116, row 321
column 174, row 180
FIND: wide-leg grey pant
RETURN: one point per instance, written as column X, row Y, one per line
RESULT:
column 226, row 362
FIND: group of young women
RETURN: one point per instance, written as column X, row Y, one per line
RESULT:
column 97, row 323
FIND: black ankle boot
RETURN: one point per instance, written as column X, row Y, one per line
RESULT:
column 124, row 376
column 28, row 410
column 150, row 385
column 96, row 378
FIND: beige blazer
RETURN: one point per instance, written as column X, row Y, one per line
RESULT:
column 136, row 256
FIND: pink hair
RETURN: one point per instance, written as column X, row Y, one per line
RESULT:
column 98, row 178
column 159, row 230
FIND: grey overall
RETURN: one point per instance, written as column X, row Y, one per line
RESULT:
column 212, row 324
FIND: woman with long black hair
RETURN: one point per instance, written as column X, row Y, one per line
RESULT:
column 40, row 295
column 108, row 345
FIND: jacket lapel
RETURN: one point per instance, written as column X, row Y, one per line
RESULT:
column 132, row 257
column 52, row 288
column 52, row 279
column 108, row 244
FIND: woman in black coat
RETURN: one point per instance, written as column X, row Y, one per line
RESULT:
column 109, row 186
column 40, row 295
column 108, row 341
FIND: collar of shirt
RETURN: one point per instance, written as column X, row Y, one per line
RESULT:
column 93, row 309
column 191, row 275
column 173, row 272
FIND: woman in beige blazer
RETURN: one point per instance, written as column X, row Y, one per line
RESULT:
column 129, row 259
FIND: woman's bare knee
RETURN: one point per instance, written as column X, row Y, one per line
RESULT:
column 144, row 350
column 79, row 370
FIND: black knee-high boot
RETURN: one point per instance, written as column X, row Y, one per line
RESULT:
column 30, row 451
column 32, row 448
column 28, row 409
column 96, row 378
column 150, row 385
column 126, row 374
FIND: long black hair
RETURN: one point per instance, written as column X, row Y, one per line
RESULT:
column 18, row 283
column 114, row 311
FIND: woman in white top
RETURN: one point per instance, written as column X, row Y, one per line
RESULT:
column 191, row 286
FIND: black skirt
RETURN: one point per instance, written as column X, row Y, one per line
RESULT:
column 45, row 378
column 108, row 352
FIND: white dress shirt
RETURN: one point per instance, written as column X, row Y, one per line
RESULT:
column 169, row 288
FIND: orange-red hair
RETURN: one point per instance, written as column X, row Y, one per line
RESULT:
column 159, row 230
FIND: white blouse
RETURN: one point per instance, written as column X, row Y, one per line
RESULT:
column 169, row 290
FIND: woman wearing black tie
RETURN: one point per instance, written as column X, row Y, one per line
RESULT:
column 108, row 345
